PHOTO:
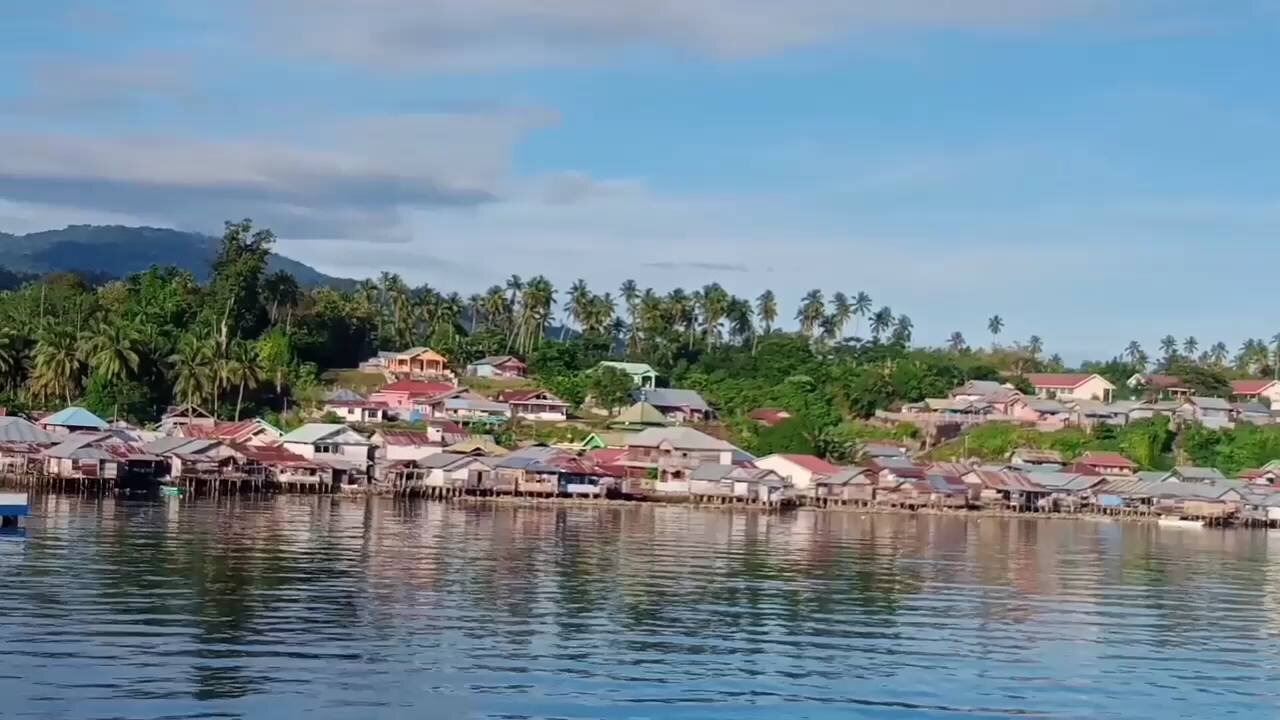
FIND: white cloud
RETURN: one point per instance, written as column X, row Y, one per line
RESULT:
column 462, row 35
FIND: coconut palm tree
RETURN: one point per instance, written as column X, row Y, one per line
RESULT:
column 1169, row 346
column 56, row 366
column 861, row 307
column 1218, row 353
column 112, row 350
column 494, row 307
column 577, row 306
column 1133, row 351
column 741, row 320
column 841, row 312
column 243, row 370
column 193, row 369
column 282, row 292
column 995, row 325
column 956, row 342
column 767, row 310
column 1190, row 346
column 902, row 330
column 881, row 321
column 1035, row 346
column 810, row 312
column 10, row 356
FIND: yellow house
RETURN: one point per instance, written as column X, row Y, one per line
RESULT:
column 418, row 361
column 1073, row 386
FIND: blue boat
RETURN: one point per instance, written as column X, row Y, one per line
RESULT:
column 13, row 505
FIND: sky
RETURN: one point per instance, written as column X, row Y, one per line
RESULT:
column 1094, row 171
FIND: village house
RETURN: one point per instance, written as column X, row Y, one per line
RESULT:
column 1036, row 457
column 642, row 375
column 72, row 420
column 1266, row 392
column 393, row 445
column 638, row 417
column 524, row 472
column 539, row 405
column 1193, row 474
column 1068, row 491
column 254, row 431
column 678, row 406
column 470, row 408
column 178, row 416
column 1091, row 413
column 1159, row 387
column 1005, row 489
column 1074, row 386
column 21, row 442
column 497, row 366
column 873, row 451
column 194, row 458
column 737, row 484
column 352, row 407
column 1107, row 463
column 412, row 399
column 1048, row 415
column 100, row 456
column 418, row 362
column 800, row 471
column 669, row 454
column 1253, row 413
column 329, row 440
column 1211, row 412
column 1153, row 409
column 851, row 485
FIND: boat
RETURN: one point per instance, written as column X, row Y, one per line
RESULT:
column 1179, row 522
column 13, row 505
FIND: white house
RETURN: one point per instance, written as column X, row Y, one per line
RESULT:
column 642, row 374
column 324, row 440
column 800, row 471
column 535, row 405
column 408, row 444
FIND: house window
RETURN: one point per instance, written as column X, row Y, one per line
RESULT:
column 326, row 449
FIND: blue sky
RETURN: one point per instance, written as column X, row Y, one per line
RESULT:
column 1093, row 171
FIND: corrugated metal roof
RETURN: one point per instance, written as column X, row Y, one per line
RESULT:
column 18, row 430
column 75, row 417
column 315, row 432
column 671, row 397
column 685, row 438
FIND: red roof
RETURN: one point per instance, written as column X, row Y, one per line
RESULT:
column 1250, row 387
column 1102, row 459
column 769, row 416
column 268, row 454
column 1163, row 381
column 417, row 387
column 517, row 396
column 1058, row 380
column 605, row 456
column 813, row 464
column 1006, row 480
column 222, row 430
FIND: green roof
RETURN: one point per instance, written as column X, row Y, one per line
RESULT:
column 642, row 413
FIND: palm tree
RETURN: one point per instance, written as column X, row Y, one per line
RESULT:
column 995, row 324
column 193, row 371
column 475, row 305
column 578, row 306
column 1035, row 346
column 767, row 310
column 841, row 312
column 10, row 356
column 112, row 350
column 902, row 330
column 494, row 306
column 956, row 342
column 861, row 307
column 810, row 312
column 243, row 370
column 56, row 363
column 1190, row 346
column 1218, row 353
column 741, row 324
column 282, row 290
column 1133, row 351
column 1275, row 364
column 1169, row 346
column 881, row 321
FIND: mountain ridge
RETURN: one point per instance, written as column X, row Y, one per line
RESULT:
column 120, row 250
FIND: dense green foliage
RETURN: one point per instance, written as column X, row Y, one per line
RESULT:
column 1148, row 442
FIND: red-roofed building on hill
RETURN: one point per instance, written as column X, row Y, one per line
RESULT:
column 1162, row 386
column 1108, row 463
column 1073, row 386
column 769, row 417
column 409, row 398
column 1256, row 390
column 799, row 470
column 535, row 405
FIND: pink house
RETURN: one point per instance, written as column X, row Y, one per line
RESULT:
column 403, row 397
column 1244, row 390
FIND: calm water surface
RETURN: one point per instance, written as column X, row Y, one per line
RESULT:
column 368, row 609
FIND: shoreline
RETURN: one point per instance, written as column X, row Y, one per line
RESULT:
column 517, row 501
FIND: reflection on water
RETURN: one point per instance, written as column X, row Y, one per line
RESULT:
column 372, row 608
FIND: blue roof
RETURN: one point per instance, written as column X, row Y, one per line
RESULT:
column 75, row 417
